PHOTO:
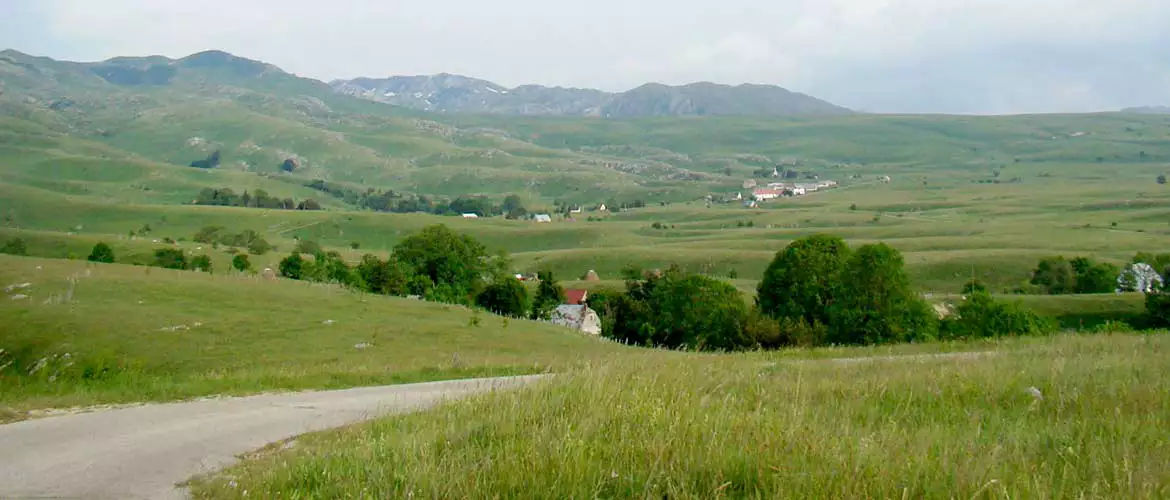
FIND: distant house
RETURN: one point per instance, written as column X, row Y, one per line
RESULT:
column 827, row 184
column 797, row 191
column 577, row 317
column 543, row 218
column 808, row 187
column 885, row 179
column 766, row 194
column 750, row 183
column 470, row 216
column 576, row 210
column 576, row 297
column 601, row 208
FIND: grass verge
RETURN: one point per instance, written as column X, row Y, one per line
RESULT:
column 658, row 426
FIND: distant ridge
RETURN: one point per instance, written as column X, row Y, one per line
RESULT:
column 460, row 94
column 1149, row 110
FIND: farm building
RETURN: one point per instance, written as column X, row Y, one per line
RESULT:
column 543, row 218
column 579, row 317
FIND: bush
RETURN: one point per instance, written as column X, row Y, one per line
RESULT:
column 382, row 277
column 549, row 295
column 1092, row 277
column 982, row 316
column 798, row 283
column 677, row 309
column 1158, row 309
column 1055, row 275
column 14, row 246
column 308, row 247
column 454, row 264
column 293, row 266
column 506, row 297
column 973, row 286
column 874, row 304
column 101, row 253
column 241, row 263
column 259, row 246
column 201, row 263
column 169, row 258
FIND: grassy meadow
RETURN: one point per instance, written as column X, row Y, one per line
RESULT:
column 98, row 333
column 752, row 426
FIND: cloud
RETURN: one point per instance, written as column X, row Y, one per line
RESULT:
column 980, row 56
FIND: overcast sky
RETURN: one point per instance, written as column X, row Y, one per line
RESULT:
column 953, row 56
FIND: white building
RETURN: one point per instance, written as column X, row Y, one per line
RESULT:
column 543, row 218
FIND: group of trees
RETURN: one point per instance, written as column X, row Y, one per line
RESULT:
column 391, row 201
column 211, row 161
column 435, row 264
column 816, row 291
column 14, row 246
column 1057, row 276
column 249, row 239
column 226, row 197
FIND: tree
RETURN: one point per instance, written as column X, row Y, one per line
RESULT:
column 292, row 267
column 1055, row 275
column 259, row 246
column 549, row 295
column 506, row 297
column 201, row 263
column 308, row 247
column 169, row 258
column 241, row 263
column 1092, row 277
column 1162, row 179
column 676, row 309
column 981, row 316
column 101, row 253
column 382, row 277
column 329, row 267
column 455, row 265
column 14, row 246
column 309, row 204
column 289, row 165
column 798, row 283
column 873, row 302
column 973, row 286
column 513, row 207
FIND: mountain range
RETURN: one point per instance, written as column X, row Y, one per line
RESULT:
column 1148, row 110
column 449, row 93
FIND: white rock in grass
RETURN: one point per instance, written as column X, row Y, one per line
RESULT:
column 363, row 345
column 1035, row 393
column 328, row 322
column 19, row 296
column 18, row 286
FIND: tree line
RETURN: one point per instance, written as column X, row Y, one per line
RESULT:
column 226, row 197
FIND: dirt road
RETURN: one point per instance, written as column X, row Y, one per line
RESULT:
column 143, row 452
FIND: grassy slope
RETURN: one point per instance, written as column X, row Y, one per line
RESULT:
column 703, row 427
column 252, row 335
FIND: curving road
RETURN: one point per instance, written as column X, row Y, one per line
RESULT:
column 143, row 452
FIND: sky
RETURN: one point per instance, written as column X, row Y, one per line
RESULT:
column 888, row 56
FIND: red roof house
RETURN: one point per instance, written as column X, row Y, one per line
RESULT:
column 576, row 297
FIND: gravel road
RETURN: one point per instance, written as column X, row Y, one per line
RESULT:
column 143, row 452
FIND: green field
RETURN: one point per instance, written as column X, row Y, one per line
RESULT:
column 741, row 427
column 115, row 334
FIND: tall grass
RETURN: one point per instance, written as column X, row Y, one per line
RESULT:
column 658, row 426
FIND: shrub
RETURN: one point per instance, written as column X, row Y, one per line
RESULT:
column 259, row 246
column 1055, row 275
column 308, row 247
column 1092, row 277
column 982, row 316
column 169, row 258
column 873, row 302
column 292, row 267
column 382, row 277
column 1158, row 309
column 101, row 253
column 549, row 295
column 973, row 286
column 241, row 263
column 201, row 263
column 677, row 309
column 798, row 283
column 14, row 246
column 506, row 297
column 454, row 264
